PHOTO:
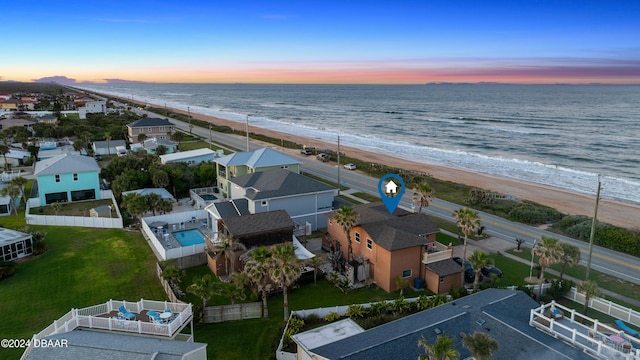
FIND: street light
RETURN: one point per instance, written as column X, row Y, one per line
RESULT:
column 531, row 268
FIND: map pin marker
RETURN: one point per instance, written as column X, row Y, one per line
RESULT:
column 391, row 188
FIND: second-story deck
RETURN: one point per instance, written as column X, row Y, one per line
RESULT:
column 436, row 251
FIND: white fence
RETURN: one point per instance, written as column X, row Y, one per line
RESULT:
column 60, row 220
column 215, row 314
column 607, row 307
column 173, row 218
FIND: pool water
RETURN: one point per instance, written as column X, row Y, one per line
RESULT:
column 208, row 197
column 189, row 237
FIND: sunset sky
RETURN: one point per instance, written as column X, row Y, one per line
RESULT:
column 346, row 41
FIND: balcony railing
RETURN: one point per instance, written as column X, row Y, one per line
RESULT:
column 436, row 252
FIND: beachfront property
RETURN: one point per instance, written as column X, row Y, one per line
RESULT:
column 501, row 314
column 107, row 147
column 145, row 329
column 307, row 201
column 151, row 146
column 151, row 127
column 67, row 178
column 389, row 245
column 92, row 107
column 14, row 244
column 242, row 163
column 191, row 157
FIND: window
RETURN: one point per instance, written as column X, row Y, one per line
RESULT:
column 57, row 176
column 75, row 176
column 284, row 167
column 162, row 137
column 357, row 236
column 406, row 273
column 264, row 203
column 441, row 279
column 141, row 130
column 150, row 130
column 369, row 244
column 162, row 128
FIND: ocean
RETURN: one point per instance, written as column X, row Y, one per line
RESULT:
column 558, row 135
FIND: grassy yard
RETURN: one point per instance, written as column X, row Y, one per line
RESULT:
column 82, row 267
column 73, row 208
column 257, row 338
column 605, row 281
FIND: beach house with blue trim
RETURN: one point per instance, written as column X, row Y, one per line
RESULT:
column 67, row 178
column 248, row 162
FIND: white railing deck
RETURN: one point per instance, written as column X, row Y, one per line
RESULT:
column 97, row 317
column 584, row 332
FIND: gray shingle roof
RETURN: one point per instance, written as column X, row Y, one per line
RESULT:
column 87, row 344
column 504, row 315
column 66, row 163
column 150, row 122
column 264, row 157
column 111, row 143
column 393, row 232
column 444, row 267
column 278, row 183
column 258, row 223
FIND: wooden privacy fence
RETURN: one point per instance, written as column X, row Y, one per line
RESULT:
column 165, row 285
column 215, row 314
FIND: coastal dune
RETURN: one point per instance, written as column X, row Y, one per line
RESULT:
column 613, row 212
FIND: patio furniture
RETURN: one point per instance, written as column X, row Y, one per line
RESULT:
column 556, row 314
column 126, row 314
column 625, row 328
column 154, row 316
column 166, row 316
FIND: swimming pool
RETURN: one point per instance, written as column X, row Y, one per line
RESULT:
column 189, row 237
column 208, row 197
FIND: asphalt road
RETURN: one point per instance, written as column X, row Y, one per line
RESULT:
column 617, row 264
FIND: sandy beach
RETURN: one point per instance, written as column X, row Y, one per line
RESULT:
column 613, row 212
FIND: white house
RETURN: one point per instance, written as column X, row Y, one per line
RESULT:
column 192, row 157
column 107, row 147
column 92, row 107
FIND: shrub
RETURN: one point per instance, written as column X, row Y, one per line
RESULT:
column 457, row 293
column 559, row 288
column 379, row 308
column 356, row 311
column 312, row 319
column 332, row 316
column 531, row 213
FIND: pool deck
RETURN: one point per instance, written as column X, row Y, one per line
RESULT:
column 169, row 241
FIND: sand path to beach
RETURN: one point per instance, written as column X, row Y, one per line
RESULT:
column 618, row 213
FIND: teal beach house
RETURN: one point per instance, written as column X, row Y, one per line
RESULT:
column 67, row 178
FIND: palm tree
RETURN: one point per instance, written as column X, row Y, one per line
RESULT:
column 442, row 349
column 13, row 191
column 346, row 217
column 481, row 345
column 479, row 260
column 589, row 289
column 570, row 255
column 20, row 182
column 4, row 149
column 202, row 287
column 548, row 253
column 284, row 269
column 154, row 202
column 173, row 275
column 107, row 136
column 235, row 288
column 468, row 221
column 228, row 245
column 257, row 270
column 177, row 136
column 315, row 262
column 142, row 137
column 422, row 195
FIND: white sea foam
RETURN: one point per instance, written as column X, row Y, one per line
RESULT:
column 372, row 136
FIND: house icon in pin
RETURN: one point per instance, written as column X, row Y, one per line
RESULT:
column 391, row 188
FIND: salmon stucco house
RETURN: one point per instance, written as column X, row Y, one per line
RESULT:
column 386, row 246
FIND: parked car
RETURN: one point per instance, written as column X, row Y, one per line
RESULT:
column 323, row 157
column 469, row 273
column 491, row 270
column 306, row 152
column 350, row 166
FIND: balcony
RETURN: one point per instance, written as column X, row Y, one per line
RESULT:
column 436, row 252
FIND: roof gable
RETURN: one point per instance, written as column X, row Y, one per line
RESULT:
column 65, row 164
column 278, row 183
column 150, row 122
column 264, row 157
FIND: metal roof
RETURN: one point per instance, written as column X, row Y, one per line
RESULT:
column 66, row 163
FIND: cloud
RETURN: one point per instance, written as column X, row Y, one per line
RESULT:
column 56, row 79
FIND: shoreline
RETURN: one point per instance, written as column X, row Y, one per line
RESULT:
column 614, row 212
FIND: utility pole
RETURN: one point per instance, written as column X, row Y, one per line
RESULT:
column 210, row 144
column 189, row 113
column 339, row 186
column 593, row 231
column 247, row 132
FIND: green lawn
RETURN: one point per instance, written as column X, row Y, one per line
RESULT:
column 604, row 281
column 257, row 338
column 83, row 267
